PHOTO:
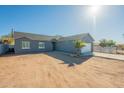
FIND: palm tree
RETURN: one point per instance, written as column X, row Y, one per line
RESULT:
column 79, row 44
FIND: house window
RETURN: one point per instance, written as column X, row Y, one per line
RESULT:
column 25, row 45
column 41, row 45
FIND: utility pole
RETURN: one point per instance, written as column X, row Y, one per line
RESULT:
column 12, row 32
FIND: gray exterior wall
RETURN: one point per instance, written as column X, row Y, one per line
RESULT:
column 3, row 48
column 33, row 46
column 67, row 46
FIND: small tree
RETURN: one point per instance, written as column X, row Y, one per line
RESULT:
column 111, row 43
column 103, row 43
column 79, row 44
column 8, row 39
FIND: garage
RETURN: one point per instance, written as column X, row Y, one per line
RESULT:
column 87, row 50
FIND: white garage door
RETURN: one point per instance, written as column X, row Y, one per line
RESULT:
column 87, row 48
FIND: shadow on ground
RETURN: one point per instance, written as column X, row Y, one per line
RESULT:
column 67, row 59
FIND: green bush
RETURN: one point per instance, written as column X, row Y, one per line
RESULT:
column 107, row 43
column 79, row 44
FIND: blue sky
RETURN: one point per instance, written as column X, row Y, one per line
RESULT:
column 64, row 20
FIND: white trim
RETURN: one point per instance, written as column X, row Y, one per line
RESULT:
column 41, row 45
column 25, row 44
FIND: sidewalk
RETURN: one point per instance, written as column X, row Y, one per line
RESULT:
column 111, row 56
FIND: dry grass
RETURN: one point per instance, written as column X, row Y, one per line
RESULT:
column 49, row 70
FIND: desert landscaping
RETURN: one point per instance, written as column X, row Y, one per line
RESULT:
column 55, row 69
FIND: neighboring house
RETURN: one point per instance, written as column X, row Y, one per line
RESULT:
column 29, row 43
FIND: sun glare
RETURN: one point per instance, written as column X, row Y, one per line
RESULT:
column 94, row 10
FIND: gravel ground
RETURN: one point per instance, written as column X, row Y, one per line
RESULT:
column 55, row 69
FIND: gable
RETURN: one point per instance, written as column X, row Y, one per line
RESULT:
column 87, row 39
column 23, row 38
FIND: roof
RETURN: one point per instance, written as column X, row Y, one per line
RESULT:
column 85, row 37
column 31, row 36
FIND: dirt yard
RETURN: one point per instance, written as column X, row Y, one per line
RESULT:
column 56, row 69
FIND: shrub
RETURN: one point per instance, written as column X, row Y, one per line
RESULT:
column 79, row 44
column 105, row 43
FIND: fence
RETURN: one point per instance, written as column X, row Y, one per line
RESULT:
column 112, row 50
column 3, row 48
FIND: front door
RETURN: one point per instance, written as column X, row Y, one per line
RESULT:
column 54, row 46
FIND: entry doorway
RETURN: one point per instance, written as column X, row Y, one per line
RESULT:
column 54, row 46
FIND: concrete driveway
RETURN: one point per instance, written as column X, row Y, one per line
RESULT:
column 111, row 56
column 55, row 69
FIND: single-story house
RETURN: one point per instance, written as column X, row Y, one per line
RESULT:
column 30, row 43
